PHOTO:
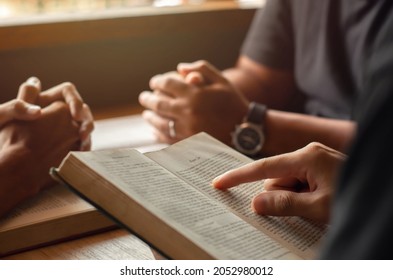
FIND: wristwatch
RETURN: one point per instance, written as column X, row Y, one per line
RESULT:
column 248, row 137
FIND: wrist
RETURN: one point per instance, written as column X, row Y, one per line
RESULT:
column 249, row 136
column 16, row 186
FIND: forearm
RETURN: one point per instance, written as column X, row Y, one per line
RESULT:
column 287, row 132
column 275, row 88
column 249, row 86
column 15, row 187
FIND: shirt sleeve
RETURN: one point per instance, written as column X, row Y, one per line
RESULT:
column 270, row 38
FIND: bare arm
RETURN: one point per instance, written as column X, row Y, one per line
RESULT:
column 286, row 132
column 275, row 88
column 218, row 104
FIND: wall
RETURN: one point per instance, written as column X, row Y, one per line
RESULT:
column 111, row 59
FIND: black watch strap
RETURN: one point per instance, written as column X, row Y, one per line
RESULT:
column 256, row 113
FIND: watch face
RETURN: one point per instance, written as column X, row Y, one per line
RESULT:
column 248, row 138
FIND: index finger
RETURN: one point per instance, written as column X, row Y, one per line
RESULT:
column 285, row 165
column 68, row 93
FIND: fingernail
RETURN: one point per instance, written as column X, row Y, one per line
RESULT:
column 195, row 78
column 86, row 143
column 83, row 146
column 183, row 64
column 257, row 200
column 83, row 133
column 33, row 109
column 143, row 96
column 216, row 182
column 33, row 81
column 153, row 82
column 146, row 114
column 253, row 207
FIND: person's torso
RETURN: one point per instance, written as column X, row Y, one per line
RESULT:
column 331, row 41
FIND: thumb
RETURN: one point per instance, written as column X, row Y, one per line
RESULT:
column 195, row 78
column 30, row 90
column 282, row 203
column 18, row 110
column 206, row 70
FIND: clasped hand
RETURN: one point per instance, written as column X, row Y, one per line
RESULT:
column 196, row 98
column 37, row 130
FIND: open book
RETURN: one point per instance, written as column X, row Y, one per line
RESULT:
column 54, row 215
column 165, row 197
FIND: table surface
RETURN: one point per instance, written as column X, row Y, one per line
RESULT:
column 115, row 127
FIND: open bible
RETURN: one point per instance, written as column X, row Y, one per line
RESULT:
column 165, row 197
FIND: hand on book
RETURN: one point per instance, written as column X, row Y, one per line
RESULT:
column 168, row 191
column 197, row 98
column 31, row 92
column 297, row 184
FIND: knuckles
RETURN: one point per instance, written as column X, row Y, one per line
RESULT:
column 284, row 202
column 68, row 86
column 316, row 150
column 202, row 64
column 17, row 106
column 315, row 147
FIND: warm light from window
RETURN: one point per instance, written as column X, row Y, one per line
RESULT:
column 167, row 3
column 5, row 11
column 20, row 8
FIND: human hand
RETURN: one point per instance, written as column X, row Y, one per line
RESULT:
column 17, row 109
column 30, row 92
column 301, row 183
column 33, row 147
column 197, row 98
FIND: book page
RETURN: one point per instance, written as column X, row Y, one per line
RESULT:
column 112, row 245
column 49, row 204
column 205, row 221
column 199, row 159
column 124, row 132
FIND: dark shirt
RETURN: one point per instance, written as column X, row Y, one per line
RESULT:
column 362, row 222
column 324, row 42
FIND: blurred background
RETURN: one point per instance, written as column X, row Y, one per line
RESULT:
column 111, row 48
column 17, row 8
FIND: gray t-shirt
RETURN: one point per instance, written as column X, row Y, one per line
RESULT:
column 324, row 42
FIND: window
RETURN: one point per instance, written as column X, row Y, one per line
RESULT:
column 22, row 8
